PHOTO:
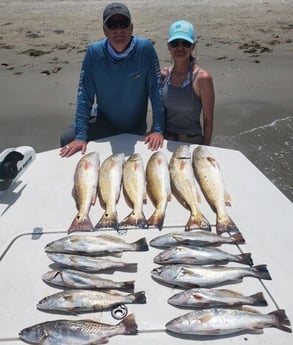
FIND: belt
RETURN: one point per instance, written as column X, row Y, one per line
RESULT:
column 179, row 137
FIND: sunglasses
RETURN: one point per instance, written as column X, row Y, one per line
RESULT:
column 177, row 43
column 117, row 24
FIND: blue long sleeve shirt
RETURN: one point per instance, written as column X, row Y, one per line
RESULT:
column 121, row 88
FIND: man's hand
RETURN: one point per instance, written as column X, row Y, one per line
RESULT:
column 73, row 147
column 154, row 141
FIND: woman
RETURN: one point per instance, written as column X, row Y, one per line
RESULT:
column 188, row 90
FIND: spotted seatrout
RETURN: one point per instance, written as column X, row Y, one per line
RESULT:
column 183, row 186
column 134, row 188
column 188, row 276
column 210, row 179
column 84, row 191
column 158, row 187
column 95, row 245
column 81, row 301
column 222, row 321
column 208, row 298
column 109, row 186
column 82, row 280
column 76, row 332
column 200, row 256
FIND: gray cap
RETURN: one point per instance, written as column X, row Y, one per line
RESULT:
column 115, row 8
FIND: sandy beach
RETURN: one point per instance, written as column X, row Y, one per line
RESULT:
column 247, row 45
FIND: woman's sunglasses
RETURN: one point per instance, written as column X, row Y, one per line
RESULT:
column 177, row 43
column 118, row 24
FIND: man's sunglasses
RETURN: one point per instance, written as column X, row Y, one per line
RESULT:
column 118, row 24
column 183, row 43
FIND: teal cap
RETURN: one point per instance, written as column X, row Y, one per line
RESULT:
column 181, row 30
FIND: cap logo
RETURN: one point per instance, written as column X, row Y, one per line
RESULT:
column 181, row 28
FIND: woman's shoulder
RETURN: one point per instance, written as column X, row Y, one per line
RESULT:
column 200, row 74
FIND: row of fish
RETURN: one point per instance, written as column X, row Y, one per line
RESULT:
column 78, row 259
column 159, row 180
column 190, row 261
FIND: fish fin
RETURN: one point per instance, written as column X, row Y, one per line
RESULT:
column 169, row 196
column 129, row 324
column 145, row 198
column 79, row 224
column 140, row 297
column 134, row 220
column 282, row 320
column 238, row 238
column 245, row 259
column 141, row 245
column 227, row 199
column 197, row 222
column 108, row 220
column 225, row 225
column 258, row 299
column 100, row 341
column 262, row 272
column 156, row 219
column 128, row 285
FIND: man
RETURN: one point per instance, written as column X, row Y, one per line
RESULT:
column 121, row 72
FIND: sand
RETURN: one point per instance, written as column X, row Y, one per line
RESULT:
column 246, row 45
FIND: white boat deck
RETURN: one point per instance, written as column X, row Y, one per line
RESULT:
column 42, row 199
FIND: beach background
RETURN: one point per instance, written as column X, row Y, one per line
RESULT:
column 247, row 46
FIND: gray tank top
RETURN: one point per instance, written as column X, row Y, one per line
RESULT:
column 182, row 107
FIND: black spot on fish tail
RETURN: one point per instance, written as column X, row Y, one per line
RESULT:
column 141, row 245
column 246, row 259
column 81, row 225
column 128, row 285
column 134, row 220
column 282, row 320
column 258, row 299
column 262, row 272
column 140, row 297
column 108, row 220
column 130, row 326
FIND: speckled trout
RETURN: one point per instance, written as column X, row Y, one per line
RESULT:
column 208, row 298
column 200, row 256
column 158, row 187
column 90, row 263
column 188, row 276
column 210, row 179
column 76, row 332
column 84, row 191
column 134, row 189
column 222, row 321
column 82, row 301
column 109, row 186
column 184, row 187
column 194, row 238
column 95, row 245
column 82, row 280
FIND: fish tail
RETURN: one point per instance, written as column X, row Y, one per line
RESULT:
column 258, row 299
column 262, row 272
column 226, row 225
column 245, row 259
column 238, row 238
column 134, row 219
column 128, row 285
column 197, row 222
column 129, row 324
column 81, row 224
column 108, row 220
column 141, row 245
column 156, row 219
column 282, row 320
column 140, row 297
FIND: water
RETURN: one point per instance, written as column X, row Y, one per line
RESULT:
column 269, row 148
